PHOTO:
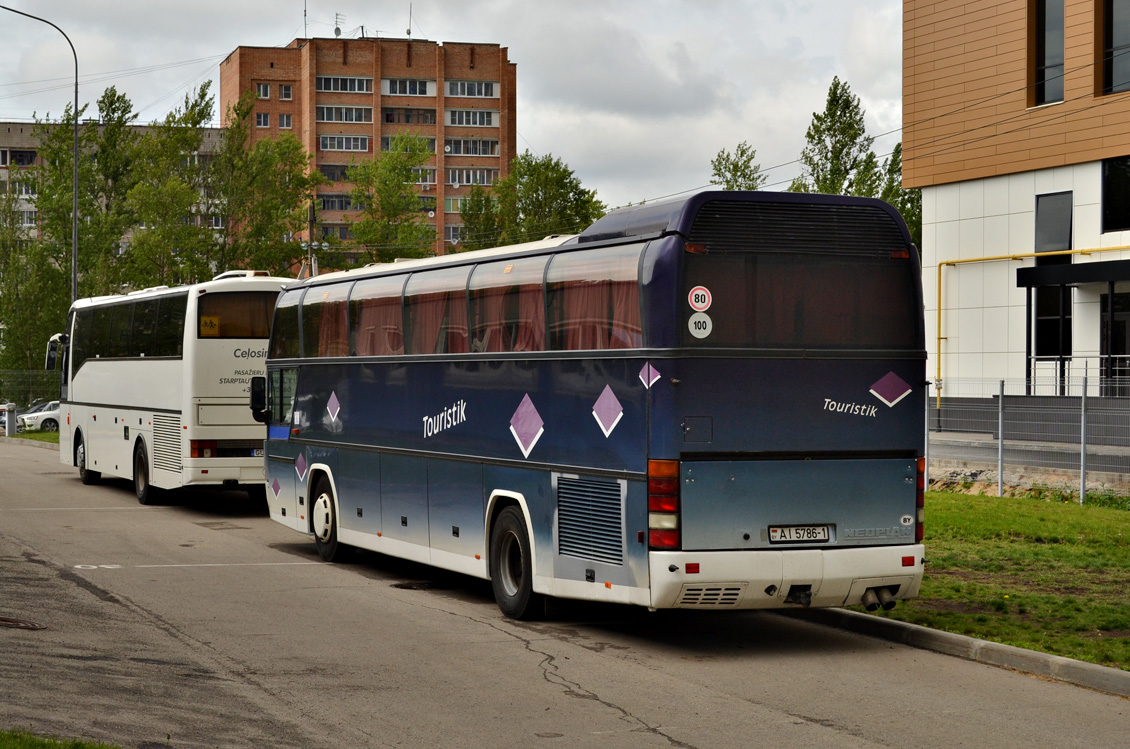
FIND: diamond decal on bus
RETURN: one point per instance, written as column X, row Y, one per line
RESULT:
column 300, row 466
column 526, row 426
column 276, row 487
column 334, row 406
column 607, row 411
column 649, row 375
column 891, row 389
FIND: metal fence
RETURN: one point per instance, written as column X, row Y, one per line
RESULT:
column 1072, row 432
column 27, row 387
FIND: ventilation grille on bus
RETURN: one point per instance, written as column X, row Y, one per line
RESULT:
column 710, row 596
column 730, row 226
column 590, row 521
column 166, row 442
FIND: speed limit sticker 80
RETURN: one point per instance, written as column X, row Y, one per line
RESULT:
column 700, row 299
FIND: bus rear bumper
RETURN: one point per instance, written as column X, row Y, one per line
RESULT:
column 769, row 579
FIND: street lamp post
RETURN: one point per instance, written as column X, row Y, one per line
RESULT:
column 74, row 183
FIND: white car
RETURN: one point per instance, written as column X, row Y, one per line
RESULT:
column 45, row 418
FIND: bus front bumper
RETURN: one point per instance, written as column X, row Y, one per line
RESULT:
column 785, row 578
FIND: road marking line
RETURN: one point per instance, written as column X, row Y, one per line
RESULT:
column 222, row 564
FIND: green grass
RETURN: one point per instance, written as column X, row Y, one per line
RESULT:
column 52, row 437
column 1039, row 572
column 25, row 740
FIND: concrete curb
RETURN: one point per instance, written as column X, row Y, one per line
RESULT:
column 30, row 443
column 1100, row 678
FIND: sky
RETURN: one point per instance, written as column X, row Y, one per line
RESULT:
column 635, row 96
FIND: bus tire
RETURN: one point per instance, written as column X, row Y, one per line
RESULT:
column 323, row 516
column 512, row 567
column 87, row 476
column 142, row 486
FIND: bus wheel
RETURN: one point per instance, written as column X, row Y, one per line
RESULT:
column 512, row 567
column 88, row 477
column 146, row 492
column 323, row 514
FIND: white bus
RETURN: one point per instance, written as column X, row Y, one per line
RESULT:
column 154, row 384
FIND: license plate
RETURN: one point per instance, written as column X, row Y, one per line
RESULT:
column 798, row 534
column 257, row 452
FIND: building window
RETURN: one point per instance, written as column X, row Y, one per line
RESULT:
column 470, row 147
column 333, row 172
column 286, row 93
column 386, row 143
column 3, row 157
column 485, row 89
column 264, row 90
column 1053, row 303
column 405, row 116
column 452, row 205
column 472, row 117
column 343, row 143
column 1116, row 46
column 285, row 121
column 215, row 222
column 334, row 202
column 27, row 218
column 458, row 177
column 1116, row 194
column 404, row 87
column 425, row 175
column 336, row 232
column 22, row 158
column 344, row 84
column 262, row 119
column 452, row 233
column 1049, row 51
column 344, row 114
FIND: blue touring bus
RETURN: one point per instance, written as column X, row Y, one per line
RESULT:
column 712, row 402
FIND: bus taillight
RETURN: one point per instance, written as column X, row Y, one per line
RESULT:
column 203, row 448
column 663, row 504
column 920, row 503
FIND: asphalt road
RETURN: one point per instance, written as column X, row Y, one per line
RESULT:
column 202, row 623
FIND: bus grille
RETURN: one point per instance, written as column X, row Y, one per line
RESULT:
column 166, row 442
column 710, row 596
column 590, row 521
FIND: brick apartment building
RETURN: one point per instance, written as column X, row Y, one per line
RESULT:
column 345, row 98
column 1016, row 126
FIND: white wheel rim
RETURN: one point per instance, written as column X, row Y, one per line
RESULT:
column 323, row 518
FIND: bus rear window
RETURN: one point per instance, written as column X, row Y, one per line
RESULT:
column 236, row 314
column 804, row 300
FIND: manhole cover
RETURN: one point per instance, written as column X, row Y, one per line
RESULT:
column 19, row 624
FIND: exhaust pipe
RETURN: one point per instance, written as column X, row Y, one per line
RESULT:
column 886, row 600
column 870, row 600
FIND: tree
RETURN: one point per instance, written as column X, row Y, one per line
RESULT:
column 173, row 243
column 908, row 202
column 391, row 223
column 480, row 220
column 540, row 197
column 737, row 171
column 837, row 158
column 260, row 194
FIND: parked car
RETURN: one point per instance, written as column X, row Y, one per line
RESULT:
column 44, row 417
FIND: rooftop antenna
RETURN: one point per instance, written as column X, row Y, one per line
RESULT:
column 409, row 31
column 338, row 18
column 305, row 34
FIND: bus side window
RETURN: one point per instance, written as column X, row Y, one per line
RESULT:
column 284, row 331
column 80, row 340
column 436, row 307
column 325, row 321
column 508, row 306
column 170, row 325
column 376, row 316
column 144, row 336
column 594, row 300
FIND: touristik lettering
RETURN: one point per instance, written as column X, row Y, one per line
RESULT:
column 453, row 415
column 851, row 409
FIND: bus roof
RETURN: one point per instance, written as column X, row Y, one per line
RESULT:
column 223, row 282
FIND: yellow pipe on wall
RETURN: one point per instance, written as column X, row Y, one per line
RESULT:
column 1017, row 256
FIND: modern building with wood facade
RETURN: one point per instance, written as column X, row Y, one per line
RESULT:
column 1016, row 126
column 344, row 99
